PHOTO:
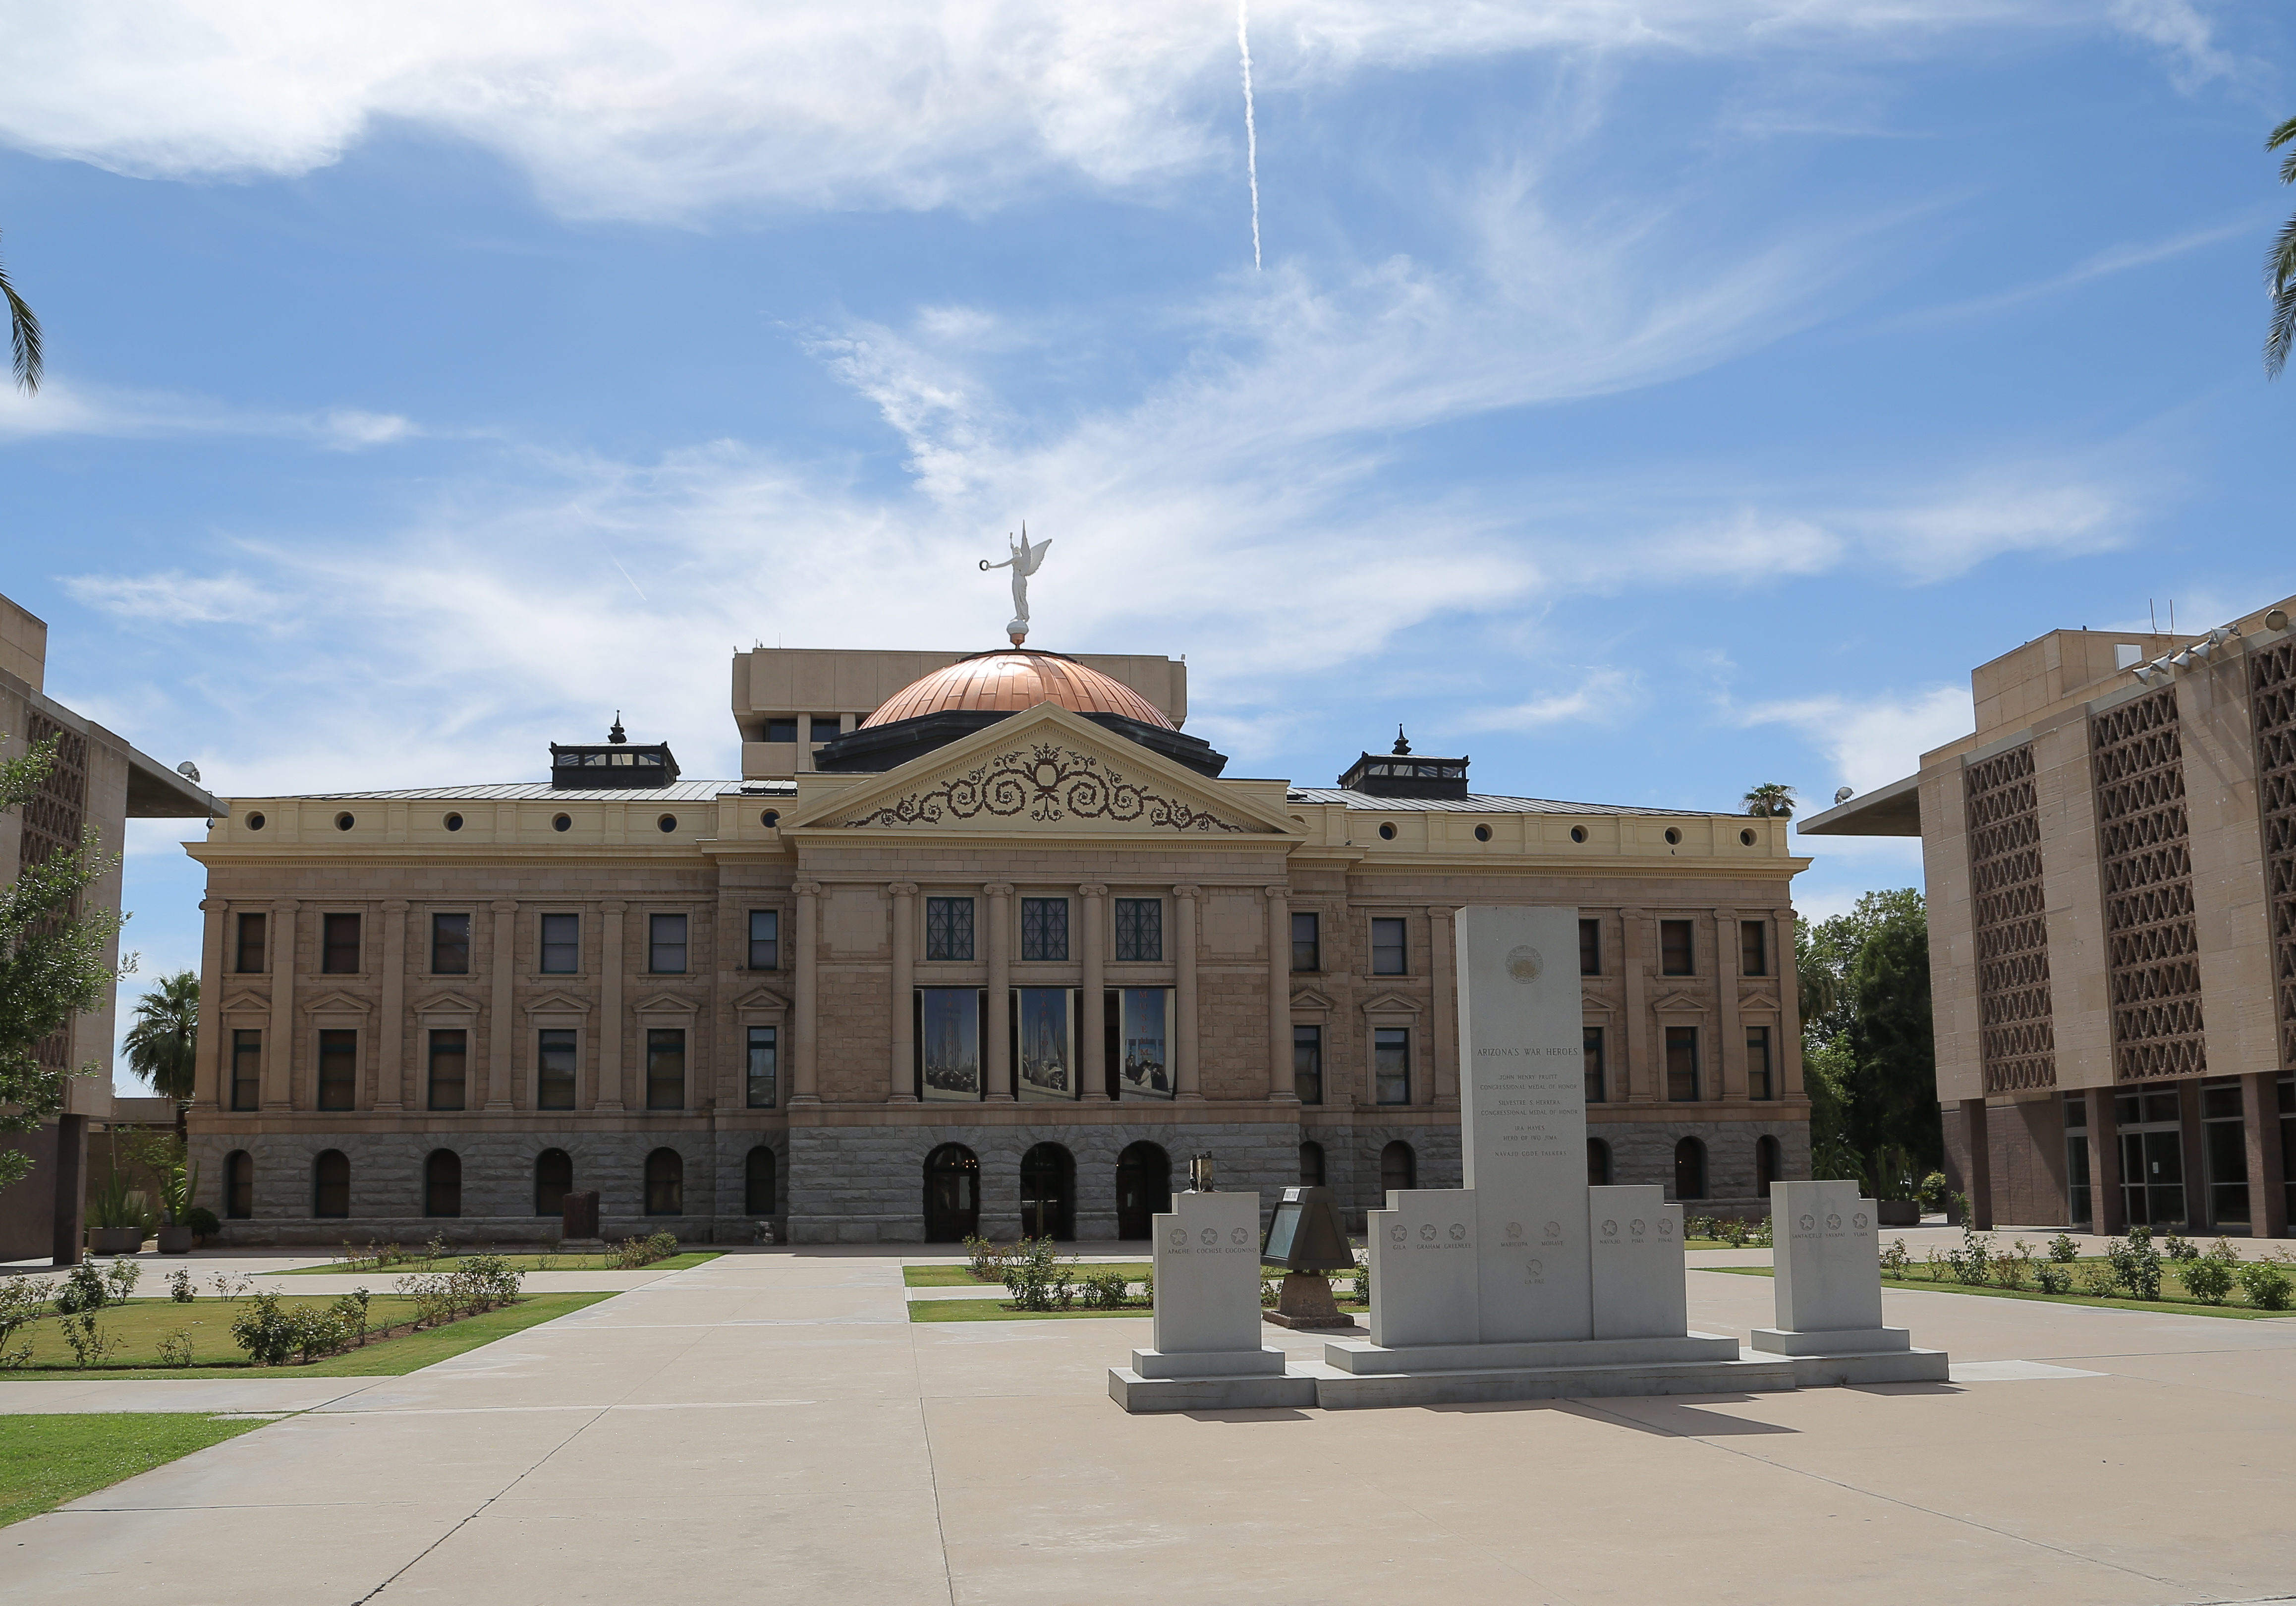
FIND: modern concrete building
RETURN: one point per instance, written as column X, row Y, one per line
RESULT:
column 2111, row 866
column 103, row 781
column 977, row 943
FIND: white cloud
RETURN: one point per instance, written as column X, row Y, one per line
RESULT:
column 62, row 407
column 2180, row 30
column 177, row 598
column 1871, row 741
column 1602, row 694
column 1950, row 537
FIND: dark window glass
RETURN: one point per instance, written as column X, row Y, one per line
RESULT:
column 1690, row 1169
column 2075, row 1110
column 666, row 1069
column 1387, row 951
column 1753, row 947
column 949, row 928
column 782, row 730
column 1307, row 1064
column 554, row 1180
column 553, row 1081
column 1140, row 929
column 764, row 1069
column 1391, row 1065
column 665, row 1182
column 1311, row 1165
column 450, row 944
column 251, row 944
column 450, row 1065
column 1682, row 1063
column 338, row 1069
column 442, row 1183
column 1307, row 946
column 824, row 727
column 1768, row 1166
column 247, row 1070
column 239, row 1185
column 1398, row 1167
column 757, row 1191
column 1044, row 928
column 1758, row 1082
column 666, row 944
column 1675, row 956
column 1595, row 1093
column 561, row 944
column 339, row 954
column 765, row 939
column 1590, row 947
column 331, row 1184
column 1598, row 1163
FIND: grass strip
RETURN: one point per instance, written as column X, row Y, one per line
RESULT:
column 996, row 1310
column 2171, row 1307
column 45, row 1461
column 962, row 1277
column 520, row 1263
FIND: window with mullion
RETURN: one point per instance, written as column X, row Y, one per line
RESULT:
column 1044, row 928
column 763, row 1053
column 338, row 950
column 666, row 1068
column 1307, row 1064
column 1140, row 930
column 1596, row 1092
column 1590, row 947
column 1757, row 1063
column 450, row 944
column 765, row 939
column 450, row 1065
column 1307, row 943
column 666, row 944
column 561, row 944
column 1387, row 947
column 948, row 929
column 1677, row 955
column 247, row 1070
column 338, row 1069
column 1682, row 1063
column 553, row 1085
column 1391, row 1051
column 251, row 944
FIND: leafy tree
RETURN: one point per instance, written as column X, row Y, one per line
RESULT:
column 1772, row 800
column 51, row 965
column 2280, row 264
column 1869, row 1050
column 161, row 1043
column 23, row 337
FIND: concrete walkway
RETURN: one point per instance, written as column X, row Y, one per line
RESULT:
column 770, row 1428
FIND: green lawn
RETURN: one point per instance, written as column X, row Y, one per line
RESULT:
column 962, row 1277
column 2234, row 1307
column 523, row 1262
column 139, row 1323
column 45, row 1461
column 996, row 1310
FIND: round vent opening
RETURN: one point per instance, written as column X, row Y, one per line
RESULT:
column 255, row 823
column 564, row 822
column 1578, row 833
column 1387, row 833
column 344, row 821
column 454, row 822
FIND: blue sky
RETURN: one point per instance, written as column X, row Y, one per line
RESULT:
column 1650, row 401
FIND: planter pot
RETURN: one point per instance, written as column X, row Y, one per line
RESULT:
column 174, row 1241
column 114, row 1241
column 1887, row 1212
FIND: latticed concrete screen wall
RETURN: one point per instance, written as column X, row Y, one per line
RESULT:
column 2272, row 694
column 2017, row 1035
column 53, row 820
column 2143, row 844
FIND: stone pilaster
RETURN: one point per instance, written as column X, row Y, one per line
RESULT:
column 612, row 961
column 1183, row 993
column 804, row 1060
column 208, row 1067
column 1280, row 1086
column 900, row 1063
column 279, row 1053
column 1092, row 1021
column 498, row 1036
column 390, row 1089
column 998, row 1050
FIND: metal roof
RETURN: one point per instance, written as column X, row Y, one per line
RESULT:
column 1474, row 803
column 683, row 791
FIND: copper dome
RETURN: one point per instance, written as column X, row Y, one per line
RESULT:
column 1012, row 680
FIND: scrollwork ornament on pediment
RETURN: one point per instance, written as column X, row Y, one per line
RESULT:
column 1045, row 784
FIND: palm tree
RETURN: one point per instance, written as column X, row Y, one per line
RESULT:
column 161, row 1043
column 23, row 337
column 1770, row 801
column 2280, row 264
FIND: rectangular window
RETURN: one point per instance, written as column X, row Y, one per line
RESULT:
column 450, row 1068
column 1753, row 947
column 666, row 944
column 1387, row 951
column 1044, row 928
column 1044, row 1043
column 1675, row 956
column 2224, row 1154
column 1390, row 1055
column 338, row 952
column 1307, row 1064
column 949, row 928
column 948, row 1043
column 1144, row 1036
column 250, row 945
column 765, row 939
column 824, row 727
column 1595, row 1093
column 2080, row 1207
column 1682, row 1063
column 247, row 1070
column 1307, row 943
column 1758, row 1082
column 666, row 1068
column 1140, row 930
column 782, row 729
column 450, row 944
column 1590, row 947
column 338, row 1069
column 561, row 944
column 764, row 1066
column 554, row 1076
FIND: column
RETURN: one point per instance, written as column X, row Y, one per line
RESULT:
column 279, row 1052
column 2108, row 1208
column 388, row 1089
column 608, row 1095
column 1641, row 1074
column 804, row 1066
column 71, row 1204
column 1280, row 1087
column 1979, row 1179
column 901, row 1062
column 1787, row 1051
column 1184, row 993
column 499, row 1039
column 1443, row 984
column 2267, row 1197
column 998, row 1050
column 1730, row 1053
column 1092, row 1018
column 208, row 1091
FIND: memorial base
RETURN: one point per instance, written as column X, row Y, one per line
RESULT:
column 1305, row 1301
column 1245, row 1379
column 1865, row 1354
column 1859, row 1340
column 1357, row 1375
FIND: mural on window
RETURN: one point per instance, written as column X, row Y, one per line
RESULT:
column 948, row 1043
column 1146, row 1031
column 1046, row 1044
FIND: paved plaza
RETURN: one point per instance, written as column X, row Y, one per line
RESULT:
column 769, row 1426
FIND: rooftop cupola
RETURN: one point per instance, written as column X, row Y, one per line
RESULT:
column 615, row 763
column 1401, row 773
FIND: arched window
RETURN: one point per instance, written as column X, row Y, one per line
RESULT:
column 331, row 1184
column 1598, row 1163
column 952, row 1194
column 1311, row 1165
column 1047, row 1192
column 1398, row 1167
column 665, row 1182
column 1690, row 1169
column 554, row 1180
column 757, row 1191
column 1768, row 1166
column 442, row 1183
column 239, row 1185
column 1143, row 1188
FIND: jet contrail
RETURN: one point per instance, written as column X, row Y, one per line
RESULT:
column 1250, row 133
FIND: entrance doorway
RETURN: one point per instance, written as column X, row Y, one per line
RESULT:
column 952, row 1194
column 2152, row 1132
column 1143, row 1188
column 1047, row 1192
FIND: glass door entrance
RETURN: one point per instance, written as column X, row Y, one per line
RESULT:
column 2152, row 1135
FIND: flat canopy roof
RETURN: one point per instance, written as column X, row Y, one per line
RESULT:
column 1891, row 810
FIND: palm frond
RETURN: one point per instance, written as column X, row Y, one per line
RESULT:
column 2279, row 279
column 23, row 337
column 2285, row 133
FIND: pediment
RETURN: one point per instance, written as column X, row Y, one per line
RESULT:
column 1390, row 1003
column 1678, row 1003
column 446, row 1003
column 1046, row 771
column 666, row 1003
column 761, row 998
column 1589, row 1003
column 1307, row 998
column 337, row 1003
column 246, row 1003
column 558, row 1003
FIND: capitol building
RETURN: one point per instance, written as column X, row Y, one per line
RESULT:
column 977, row 943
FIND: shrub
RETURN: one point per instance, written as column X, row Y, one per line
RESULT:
column 120, row 1277
column 2054, row 1277
column 2209, row 1279
column 179, row 1286
column 1895, row 1259
column 987, row 1261
column 2268, row 1287
column 2177, row 1247
column 90, row 1344
column 229, row 1286
column 1974, row 1260
column 319, row 1332
column 22, row 1299
column 265, row 1329
column 84, row 1289
column 1107, row 1291
column 1036, row 1278
column 1932, row 1191
column 2136, row 1264
column 433, row 1298
column 349, row 1311
column 2063, row 1250
column 2011, row 1270
column 176, row 1348
column 203, row 1222
column 1937, row 1264
column 1148, row 1290
column 1269, row 1294
column 1759, row 1235
column 2099, row 1282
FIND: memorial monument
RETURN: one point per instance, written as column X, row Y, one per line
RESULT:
column 1208, row 1353
column 1829, row 1292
